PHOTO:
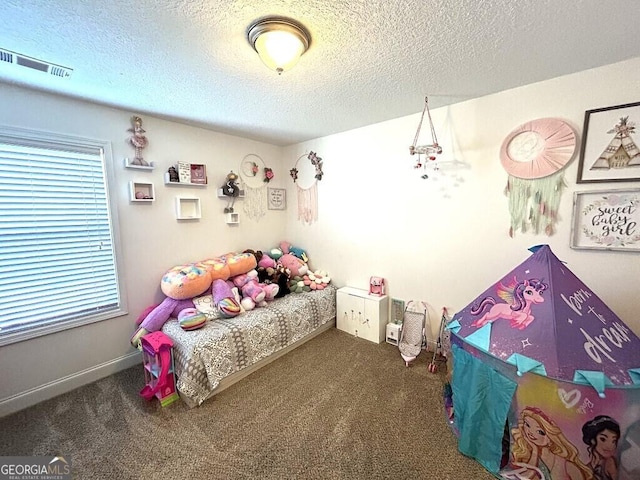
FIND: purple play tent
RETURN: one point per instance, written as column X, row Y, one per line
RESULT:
column 546, row 378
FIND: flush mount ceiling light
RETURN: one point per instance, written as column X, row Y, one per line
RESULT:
column 279, row 41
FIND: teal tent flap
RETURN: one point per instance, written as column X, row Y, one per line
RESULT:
column 597, row 380
column 482, row 399
column 634, row 373
column 525, row 364
column 454, row 326
column 481, row 338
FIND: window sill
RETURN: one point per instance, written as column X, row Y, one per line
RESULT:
column 31, row 333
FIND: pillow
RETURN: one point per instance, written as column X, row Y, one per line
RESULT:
column 185, row 281
column 191, row 319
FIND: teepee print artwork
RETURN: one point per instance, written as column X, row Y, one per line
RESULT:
column 622, row 151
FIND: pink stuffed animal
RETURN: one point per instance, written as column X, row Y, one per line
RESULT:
column 284, row 246
column 249, row 286
column 296, row 266
column 271, row 290
column 266, row 261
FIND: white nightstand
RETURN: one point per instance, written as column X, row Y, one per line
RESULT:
column 361, row 314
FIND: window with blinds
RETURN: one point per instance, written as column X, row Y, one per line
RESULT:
column 57, row 253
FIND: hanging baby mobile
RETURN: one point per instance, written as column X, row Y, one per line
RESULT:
column 534, row 155
column 430, row 151
column 138, row 141
column 309, row 174
column 255, row 176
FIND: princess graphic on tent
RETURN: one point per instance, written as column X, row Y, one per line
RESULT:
column 519, row 297
column 601, row 435
column 540, row 446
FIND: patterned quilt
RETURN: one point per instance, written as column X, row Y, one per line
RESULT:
column 224, row 346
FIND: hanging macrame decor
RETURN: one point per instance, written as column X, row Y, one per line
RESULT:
column 255, row 177
column 534, row 155
column 306, row 176
column 431, row 150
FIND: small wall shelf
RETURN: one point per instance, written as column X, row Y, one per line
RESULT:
column 222, row 195
column 181, row 184
column 141, row 192
column 233, row 218
column 188, row 208
column 128, row 164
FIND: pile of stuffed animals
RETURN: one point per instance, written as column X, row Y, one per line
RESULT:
column 229, row 285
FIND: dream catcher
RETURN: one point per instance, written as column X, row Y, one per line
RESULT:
column 430, row 151
column 306, row 176
column 255, row 176
column 534, row 155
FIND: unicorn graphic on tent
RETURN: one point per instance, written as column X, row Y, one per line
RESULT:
column 519, row 296
column 557, row 400
column 622, row 151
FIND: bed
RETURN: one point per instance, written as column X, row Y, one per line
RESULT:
column 226, row 350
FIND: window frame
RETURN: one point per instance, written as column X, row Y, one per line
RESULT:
column 44, row 139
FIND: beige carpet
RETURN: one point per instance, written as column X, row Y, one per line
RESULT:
column 337, row 407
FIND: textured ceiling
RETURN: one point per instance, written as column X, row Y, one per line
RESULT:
column 369, row 61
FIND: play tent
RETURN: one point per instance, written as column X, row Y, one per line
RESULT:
column 546, row 378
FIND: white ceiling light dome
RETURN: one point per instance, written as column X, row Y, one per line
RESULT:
column 279, row 41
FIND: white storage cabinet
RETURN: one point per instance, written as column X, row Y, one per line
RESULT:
column 361, row 314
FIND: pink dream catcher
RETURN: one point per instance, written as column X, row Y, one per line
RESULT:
column 306, row 176
column 534, row 155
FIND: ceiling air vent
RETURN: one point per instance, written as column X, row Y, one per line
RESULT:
column 14, row 58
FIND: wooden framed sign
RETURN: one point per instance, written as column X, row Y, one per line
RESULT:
column 608, row 219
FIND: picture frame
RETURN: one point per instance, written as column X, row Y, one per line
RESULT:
column 276, row 199
column 606, row 220
column 610, row 145
column 184, row 172
column 198, row 173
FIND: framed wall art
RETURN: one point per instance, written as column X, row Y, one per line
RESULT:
column 608, row 220
column 610, row 143
column 277, row 199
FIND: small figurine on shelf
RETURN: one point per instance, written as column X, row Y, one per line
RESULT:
column 138, row 140
column 376, row 286
column 173, row 174
column 231, row 189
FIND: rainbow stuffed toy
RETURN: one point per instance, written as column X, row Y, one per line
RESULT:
column 191, row 319
column 224, row 299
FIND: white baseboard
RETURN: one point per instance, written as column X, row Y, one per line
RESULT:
column 49, row 390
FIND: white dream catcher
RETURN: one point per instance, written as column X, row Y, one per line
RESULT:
column 305, row 175
column 534, row 155
column 255, row 177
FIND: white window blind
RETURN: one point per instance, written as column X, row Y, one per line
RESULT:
column 57, row 256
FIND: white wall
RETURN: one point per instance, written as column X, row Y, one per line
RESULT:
column 152, row 239
column 446, row 244
column 431, row 240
